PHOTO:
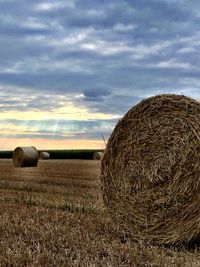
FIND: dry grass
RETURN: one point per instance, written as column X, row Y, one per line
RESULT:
column 53, row 216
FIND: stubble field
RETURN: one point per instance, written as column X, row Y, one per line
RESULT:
column 53, row 215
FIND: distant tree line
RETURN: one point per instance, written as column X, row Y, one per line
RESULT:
column 61, row 154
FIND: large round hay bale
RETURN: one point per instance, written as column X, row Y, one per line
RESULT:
column 25, row 157
column 97, row 155
column 44, row 155
column 150, row 171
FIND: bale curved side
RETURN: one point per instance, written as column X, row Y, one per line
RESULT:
column 25, row 157
column 97, row 155
column 44, row 155
column 150, row 171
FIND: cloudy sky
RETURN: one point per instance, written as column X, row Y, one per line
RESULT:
column 69, row 69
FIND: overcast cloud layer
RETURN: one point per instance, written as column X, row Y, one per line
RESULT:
column 100, row 57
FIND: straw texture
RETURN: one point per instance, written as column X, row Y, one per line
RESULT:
column 25, row 157
column 150, row 171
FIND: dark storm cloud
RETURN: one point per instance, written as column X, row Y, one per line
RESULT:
column 110, row 53
column 96, row 94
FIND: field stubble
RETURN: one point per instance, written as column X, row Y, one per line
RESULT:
column 53, row 216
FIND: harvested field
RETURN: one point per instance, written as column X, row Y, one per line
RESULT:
column 53, row 216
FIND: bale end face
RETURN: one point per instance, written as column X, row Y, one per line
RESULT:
column 97, row 155
column 150, row 171
column 25, row 157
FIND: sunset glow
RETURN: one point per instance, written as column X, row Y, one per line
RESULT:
column 69, row 70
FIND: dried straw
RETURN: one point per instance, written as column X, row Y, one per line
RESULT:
column 25, row 157
column 97, row 155
column 150, row 171
column 44, row 155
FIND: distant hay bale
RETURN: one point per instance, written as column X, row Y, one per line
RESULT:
column 150, row 171
column 97, row 155
column 44, row 155
column 25, row 157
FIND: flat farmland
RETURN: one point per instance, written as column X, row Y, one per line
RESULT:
column 53, row 215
